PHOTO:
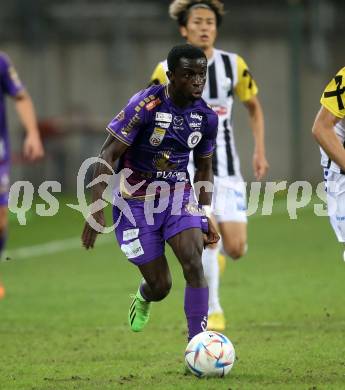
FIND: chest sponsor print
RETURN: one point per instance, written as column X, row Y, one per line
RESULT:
column 163, row 125
column 163, row 116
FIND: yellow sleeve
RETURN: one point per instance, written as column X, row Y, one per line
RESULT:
column 333, row 97
column 159, row 75
column 246, row 86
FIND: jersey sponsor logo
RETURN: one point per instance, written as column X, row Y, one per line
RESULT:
column 195, row 115
column 162, row 161
column 163, row 117
column 120, row 116
column 150, row 106
column 132, row 249
column 195, row 125
column 193, row 139
column 178, row 121
column 133, row 122
column 130, row 234
column 157, row 136
column 179, row 176
column 220, row 110
column 145, row 102
column 163, row 125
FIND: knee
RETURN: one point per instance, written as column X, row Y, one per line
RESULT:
column 235, row 249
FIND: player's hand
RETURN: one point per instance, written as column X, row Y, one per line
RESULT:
column 33, row 148
column 212, row 237
column 260, row 166
column 89, row 234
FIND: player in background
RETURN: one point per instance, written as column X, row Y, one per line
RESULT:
column 329, row 132
column 153, row 136
column 227, row 76
column 11, row 85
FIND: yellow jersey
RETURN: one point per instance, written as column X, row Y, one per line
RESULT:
column 333, row 99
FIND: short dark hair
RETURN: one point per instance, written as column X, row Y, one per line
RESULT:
column 183, row 51
column 180, row 9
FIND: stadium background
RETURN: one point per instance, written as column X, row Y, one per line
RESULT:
column 82, row 60
column 63, row 322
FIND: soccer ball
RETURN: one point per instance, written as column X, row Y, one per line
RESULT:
column 210, row 354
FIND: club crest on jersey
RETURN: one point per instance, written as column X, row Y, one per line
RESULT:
column 157, row 136
column 193, row 139
column 163, row 117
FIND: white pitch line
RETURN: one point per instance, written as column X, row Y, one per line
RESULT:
column 57, row 246
column 52, row 247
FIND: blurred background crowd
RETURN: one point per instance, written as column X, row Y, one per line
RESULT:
column 82, row 59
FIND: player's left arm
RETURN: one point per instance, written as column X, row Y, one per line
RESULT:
column 246, row 89
column 204, row 173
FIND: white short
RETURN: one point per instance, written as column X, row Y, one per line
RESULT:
column 229, row 201
column 335, row 189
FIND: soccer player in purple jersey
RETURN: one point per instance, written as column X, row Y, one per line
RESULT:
column 11, row 85
column 153, row 136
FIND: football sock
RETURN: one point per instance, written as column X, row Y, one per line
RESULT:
column 211, row 271
column 195, row 307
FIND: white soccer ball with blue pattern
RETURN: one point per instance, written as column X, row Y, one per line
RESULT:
column 210, row 354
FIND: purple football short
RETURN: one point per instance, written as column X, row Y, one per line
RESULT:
column 4, row 183
column 145, row 241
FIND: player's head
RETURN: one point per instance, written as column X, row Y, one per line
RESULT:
column 187, row 67
column 198, row 20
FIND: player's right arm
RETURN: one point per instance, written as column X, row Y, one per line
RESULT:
column 123, row 130
column 12, row 85
column 111, row 151
column 323, row 132
column 331, row 112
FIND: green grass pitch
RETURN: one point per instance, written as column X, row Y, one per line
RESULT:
column 63, row 320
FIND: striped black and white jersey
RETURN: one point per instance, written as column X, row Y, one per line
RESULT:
column 333, row 98
column 227, row 75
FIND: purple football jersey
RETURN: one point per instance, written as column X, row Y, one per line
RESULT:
column 9, row 85
column 161, row 135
